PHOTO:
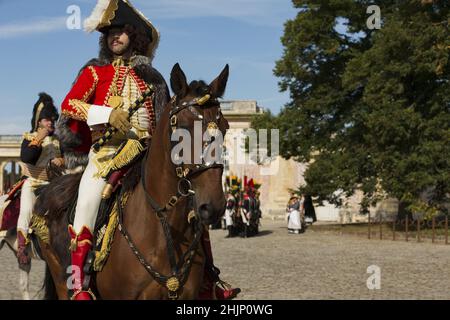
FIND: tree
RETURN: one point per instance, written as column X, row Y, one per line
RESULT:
column 369, row 109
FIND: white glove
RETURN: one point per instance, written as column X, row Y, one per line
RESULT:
column 98, row 115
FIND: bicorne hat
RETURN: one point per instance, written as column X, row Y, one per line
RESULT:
column 118, row 13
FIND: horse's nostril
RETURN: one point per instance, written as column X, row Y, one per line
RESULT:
column 210, row 214
column 206, row 212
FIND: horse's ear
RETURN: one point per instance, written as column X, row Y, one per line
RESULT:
column 178, row 81
column 219, row 85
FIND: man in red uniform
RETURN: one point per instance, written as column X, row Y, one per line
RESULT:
column 101, row 96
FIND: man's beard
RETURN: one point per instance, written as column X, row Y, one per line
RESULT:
column 125, row 51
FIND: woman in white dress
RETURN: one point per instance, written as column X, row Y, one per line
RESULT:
column 293, row 215
column 229, row 213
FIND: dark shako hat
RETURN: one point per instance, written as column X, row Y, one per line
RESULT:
column 44, row 108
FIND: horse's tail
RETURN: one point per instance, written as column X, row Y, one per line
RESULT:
column 54, row 199
column 49, row 285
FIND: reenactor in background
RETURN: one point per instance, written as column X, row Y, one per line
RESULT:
column 40, row 151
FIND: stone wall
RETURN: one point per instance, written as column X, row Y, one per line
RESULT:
column 275, row 190
column 350, row 212
column 9, row 153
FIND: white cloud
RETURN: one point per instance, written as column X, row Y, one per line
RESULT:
column 266, row 12
column 43, row 25
column 256, row 12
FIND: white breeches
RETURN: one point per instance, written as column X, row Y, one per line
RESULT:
column 89, row 198
column 244, row 217
column 27, row 201
column 229, row 217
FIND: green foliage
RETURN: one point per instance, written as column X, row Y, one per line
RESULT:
column 369, row 108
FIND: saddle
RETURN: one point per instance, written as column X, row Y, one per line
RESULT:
column 119, row 182
column 10, row 208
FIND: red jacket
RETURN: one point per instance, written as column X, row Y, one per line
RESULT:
column 94, row 87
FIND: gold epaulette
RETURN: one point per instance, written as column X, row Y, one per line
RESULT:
column 29, row 136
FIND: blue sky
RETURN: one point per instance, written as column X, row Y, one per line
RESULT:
column 38, row 52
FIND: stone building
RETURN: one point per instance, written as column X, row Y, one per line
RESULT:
column 287, row 175
column 9, row 158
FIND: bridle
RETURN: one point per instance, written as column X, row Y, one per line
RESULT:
column 179, row 275
column 182, row 171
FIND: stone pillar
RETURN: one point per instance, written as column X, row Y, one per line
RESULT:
column 20, row 169
column 13, row 173
column 2, row 182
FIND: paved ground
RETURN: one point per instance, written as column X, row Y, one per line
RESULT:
column 9, row 277
column 313, row 265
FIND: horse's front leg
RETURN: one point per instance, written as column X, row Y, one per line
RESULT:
column 24, row 277
column 55, row 281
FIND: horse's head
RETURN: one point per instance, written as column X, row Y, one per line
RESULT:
column 196, row 114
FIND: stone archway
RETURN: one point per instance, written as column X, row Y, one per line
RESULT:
column 2, row 171
column 8, row 179
column 10, row 153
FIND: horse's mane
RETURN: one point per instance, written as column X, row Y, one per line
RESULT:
column 199, row 88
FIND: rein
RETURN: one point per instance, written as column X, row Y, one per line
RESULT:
column 179, row 274
column 178, row 278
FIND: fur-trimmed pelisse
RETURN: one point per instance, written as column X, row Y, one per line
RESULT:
column 69, row 142
column 143, row 68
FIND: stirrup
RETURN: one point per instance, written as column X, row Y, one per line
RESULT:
column 225, row 287
column 88, row 291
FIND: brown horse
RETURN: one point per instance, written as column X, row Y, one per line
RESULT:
column 154, row 253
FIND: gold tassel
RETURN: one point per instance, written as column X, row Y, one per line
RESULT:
column 102, row 255
column 40, row 229
column 73, row 244
column 126, row 155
